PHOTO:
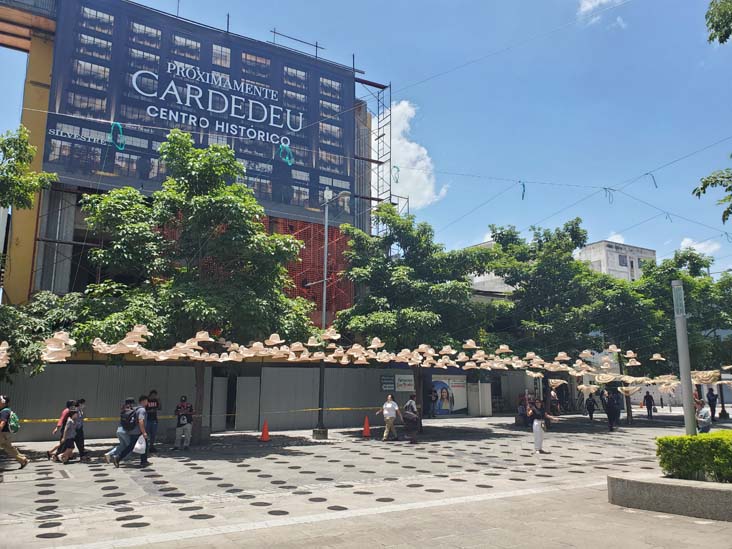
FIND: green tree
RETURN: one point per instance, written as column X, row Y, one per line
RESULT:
column 18, row 183
column 414, row 290
column 719, row 20
column 194, row 256
column 720, row 179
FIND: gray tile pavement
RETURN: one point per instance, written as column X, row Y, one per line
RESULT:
column 468, row 483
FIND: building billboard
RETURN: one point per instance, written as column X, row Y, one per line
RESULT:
column 124, row 75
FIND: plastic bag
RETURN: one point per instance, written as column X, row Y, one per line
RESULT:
column 140, row 445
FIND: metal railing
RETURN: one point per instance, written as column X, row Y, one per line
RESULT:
column 46, row 8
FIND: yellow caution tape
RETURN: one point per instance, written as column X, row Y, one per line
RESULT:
column 342, row 409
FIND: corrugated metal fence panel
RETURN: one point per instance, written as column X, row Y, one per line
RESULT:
column 286, row 389
column 103, row 387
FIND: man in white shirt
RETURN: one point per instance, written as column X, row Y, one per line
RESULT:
column 390, row 409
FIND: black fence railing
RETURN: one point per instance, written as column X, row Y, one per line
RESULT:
column 47, row 8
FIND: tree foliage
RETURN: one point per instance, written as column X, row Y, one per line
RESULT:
column 719, row 20
column 414, row 290
column 720, row 179
column 18, row 183
column 194, row 256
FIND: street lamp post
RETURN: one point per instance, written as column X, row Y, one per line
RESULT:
column 682, row 342
column 321, row 432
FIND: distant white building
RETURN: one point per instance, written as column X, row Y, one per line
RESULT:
column 489, row 286
column 616, row 259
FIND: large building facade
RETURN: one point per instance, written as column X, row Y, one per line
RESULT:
column 108, row 79
column 617, row 259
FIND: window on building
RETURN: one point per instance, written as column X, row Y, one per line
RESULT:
column 129, row 113
column 295, row 78
column 300, row 196
column 186, row 47
column 90, row 75
column 329, row 109
column 262, row 187
column 137, row 142
column 622, row 260
column 145, row 36
column 331, row 162
column 221, row 56
column 96, row 134
column 60, row 151
column 140, row 59
column 96, row 20
column 330, row 88
column 125, row 164
column 255, row 65
column 339, row 184
column 94, row 47
column 217, row 139
column 294, row 100
column 299, row 175
column 157, row 169
column 84, row 105
column 330, row 134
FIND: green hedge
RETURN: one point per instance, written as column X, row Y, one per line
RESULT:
column 701, row 457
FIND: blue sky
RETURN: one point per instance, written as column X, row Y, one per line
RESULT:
column 614, row 92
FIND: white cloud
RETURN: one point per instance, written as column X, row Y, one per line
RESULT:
column 616, row 237
column 416, row 175
column 619, row 23
column 487, row 237
column 707, row 247
column 591, row 11
column 588, row 6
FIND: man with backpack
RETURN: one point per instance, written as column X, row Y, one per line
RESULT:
column 9, row 424
column 137, row 418
column 126, row 424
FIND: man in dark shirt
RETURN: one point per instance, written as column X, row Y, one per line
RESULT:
column 5, row 434
column 649, row 403
column 153, row 405
column 613, row 411
column 184, row 424
column 712, row 400
column 135, row 433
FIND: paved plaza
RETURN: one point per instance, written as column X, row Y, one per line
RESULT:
column 468, row 483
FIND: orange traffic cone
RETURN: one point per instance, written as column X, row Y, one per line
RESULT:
column 265, row 432
column 366, row 427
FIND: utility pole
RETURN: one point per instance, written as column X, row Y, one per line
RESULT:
column 628, row 405
column 321, row 432
column 682, row 342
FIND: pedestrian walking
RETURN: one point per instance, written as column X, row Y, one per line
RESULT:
column 79, row 440
column 9, row 425
column 538, row 416
column 613, row 411
column 433, row 402
column 59, row 429
column 703, row 416
column 649, row 403
column 590, row 405
column 712, row 400
column 69, row 437
column 153, row 405
column 184, row 424
column 126, row 424
column 135, row 433
column 411, row 418
column 390, row 410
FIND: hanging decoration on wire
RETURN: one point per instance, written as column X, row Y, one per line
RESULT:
column 117, row 140
column 727, row 236
column 609, row 194
column 523, row 189
column 668, row 217
column 286, row 154
column 653, row 178
column 395, row 171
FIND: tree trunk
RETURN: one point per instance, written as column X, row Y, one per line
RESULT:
column 198, row 403
column 418, row 382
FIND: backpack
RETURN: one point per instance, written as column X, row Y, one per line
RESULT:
column 127, row 419
column 13, row 421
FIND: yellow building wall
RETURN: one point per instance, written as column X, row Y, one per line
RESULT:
column 24, row 227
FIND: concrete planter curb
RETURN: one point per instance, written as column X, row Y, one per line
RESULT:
column 708, row 500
